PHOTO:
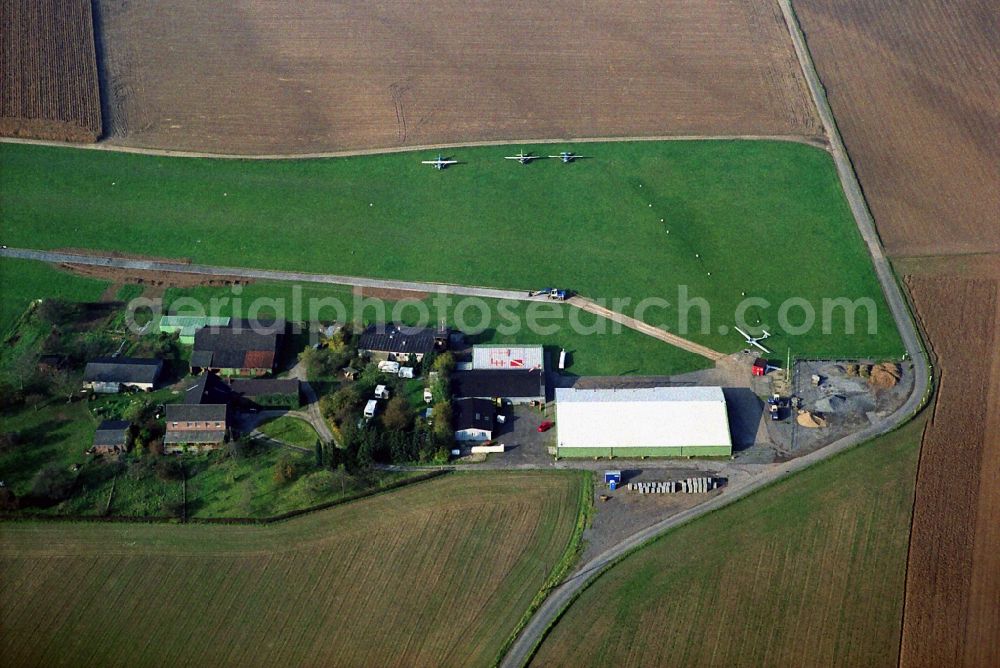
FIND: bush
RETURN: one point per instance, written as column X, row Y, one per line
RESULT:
column 286, row 469
column 53, row 483
column 9, row 440
column 169, row 468
column 173, row 508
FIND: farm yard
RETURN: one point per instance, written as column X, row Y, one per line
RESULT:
column 720, row 220
column 914, row 87
column 267, row 77
column 48, row 70
column 436, row 573
column 809, row 571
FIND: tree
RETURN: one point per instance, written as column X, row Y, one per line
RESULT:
column 444, row 364
column 286, row 469
column 442, row 420
column 340, row 405
column 398, row 415
column 65, row 383
column 25, row 369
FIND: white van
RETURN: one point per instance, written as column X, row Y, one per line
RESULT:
column 370, row 408
column 381, row 392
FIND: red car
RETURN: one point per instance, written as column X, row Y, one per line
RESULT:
column 545, row 426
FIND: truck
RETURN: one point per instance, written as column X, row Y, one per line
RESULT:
column 381, row 392
column 556, row 294
column 370, row 408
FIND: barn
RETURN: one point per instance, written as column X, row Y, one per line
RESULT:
column 641, row 422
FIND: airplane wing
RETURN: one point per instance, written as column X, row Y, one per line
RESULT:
column 514, row 157
column 449, row 162
column 428, row 162
column 745, row 335
column 754, row 343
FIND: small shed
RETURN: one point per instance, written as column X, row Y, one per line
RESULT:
column 612, row 477
column 111, row 436
column 759, row 367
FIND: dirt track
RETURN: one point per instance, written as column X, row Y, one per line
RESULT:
column 274, row 77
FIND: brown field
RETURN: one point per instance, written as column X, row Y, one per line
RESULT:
column 272, row 77
column 915, row 87
column 434, row 574
column 48, row 70
column 951, row 616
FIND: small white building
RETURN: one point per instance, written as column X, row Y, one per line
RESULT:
column 639, row 422
column 499, row 357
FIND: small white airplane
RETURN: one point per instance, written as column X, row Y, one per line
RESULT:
column 567, row 156
column 755, row 340
column 440, row 163
column 522, row 157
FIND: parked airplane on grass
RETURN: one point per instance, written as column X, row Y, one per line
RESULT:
column 440, row 163
column 567, row 156
column 522, row 157
column 755, row 340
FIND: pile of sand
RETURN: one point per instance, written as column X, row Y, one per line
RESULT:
column 884, row 376
column 809, row 420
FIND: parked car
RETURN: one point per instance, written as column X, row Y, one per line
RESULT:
column 545, row 426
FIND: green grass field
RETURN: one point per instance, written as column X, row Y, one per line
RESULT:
column 437, row 573
column 763, row 218
column 808, row 572
column 291, row 430
column 24, row 280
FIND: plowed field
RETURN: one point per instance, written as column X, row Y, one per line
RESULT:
column 311, row 75
column 435, row 574
column 48, row 70
column 953, row 578
column 915, row 87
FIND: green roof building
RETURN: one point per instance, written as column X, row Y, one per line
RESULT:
column 187, row 325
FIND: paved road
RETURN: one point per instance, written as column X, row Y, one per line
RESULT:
column 110, row 146
column 523, row 648
column 265, row 274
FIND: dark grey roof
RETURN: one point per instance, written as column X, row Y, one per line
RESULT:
column 207, row 389
column 399, row 339
column 209, row 436
column 240, row 336
column 507, row 383
column 122, row 370
column 112, row 432
column 196, row 413
column 473, row 414
column 201, row 358
column 255, row 387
